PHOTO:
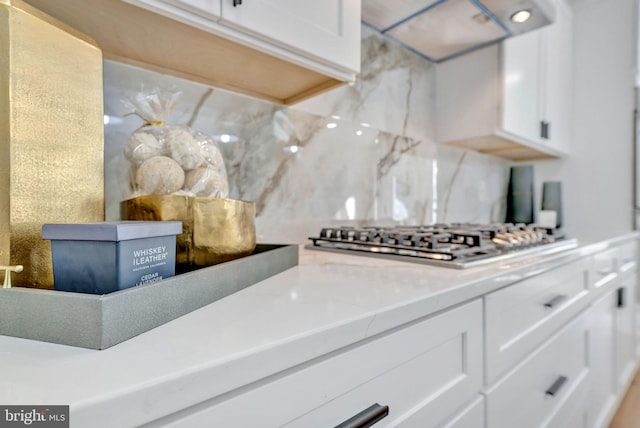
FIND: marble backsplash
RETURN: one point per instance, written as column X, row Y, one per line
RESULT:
column 359, row 154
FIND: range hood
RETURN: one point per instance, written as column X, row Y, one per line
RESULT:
column 443, row 29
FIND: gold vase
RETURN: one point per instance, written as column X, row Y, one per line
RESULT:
column 213, row 230
column 51, row 136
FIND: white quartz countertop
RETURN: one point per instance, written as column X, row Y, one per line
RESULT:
column 327, row 302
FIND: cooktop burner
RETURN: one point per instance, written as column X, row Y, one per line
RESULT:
column 457, row 245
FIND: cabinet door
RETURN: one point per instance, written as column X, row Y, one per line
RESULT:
column 557, row 78
column 602, row 357
column 637, row 317
column 204, row 7
column 625, row 330
column 328, row 29
column 181, row 10
column 521, row 86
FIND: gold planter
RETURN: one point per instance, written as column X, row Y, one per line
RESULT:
column 51, row 136
column 213, row 230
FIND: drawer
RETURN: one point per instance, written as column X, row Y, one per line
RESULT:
column 435, row 364
column 437, row 381
column 522, row 316
column 534, row 391
column 471, row 417
column 574, row 411
column 605, row 266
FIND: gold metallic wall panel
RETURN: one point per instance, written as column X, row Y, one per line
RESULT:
column 51, row 137
column 5, row 138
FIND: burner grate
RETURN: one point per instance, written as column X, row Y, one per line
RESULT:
column 456, row 242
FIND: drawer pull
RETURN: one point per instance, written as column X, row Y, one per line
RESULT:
column 553, row 390
column 621, row 297
column 556, row 301
column 366, row 418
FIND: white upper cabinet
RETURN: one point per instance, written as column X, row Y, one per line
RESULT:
column 206, row 8
column 283, row 51
column 320, row 35
column 513, row 99
column 329, row 30
column 521, row 96
column 538, row 85
column 557, row 63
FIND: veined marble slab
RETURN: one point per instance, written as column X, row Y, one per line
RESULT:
column 360, row 154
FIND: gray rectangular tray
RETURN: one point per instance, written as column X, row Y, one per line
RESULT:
column 100, row 321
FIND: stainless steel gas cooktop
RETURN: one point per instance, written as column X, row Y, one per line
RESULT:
column 455, row 245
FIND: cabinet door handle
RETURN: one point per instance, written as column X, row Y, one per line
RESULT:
column 556, row 301
column 237, row 3
column 544, row 129
column 621, row 297
column 553, row 389
column 547, row 133
column 366, row 418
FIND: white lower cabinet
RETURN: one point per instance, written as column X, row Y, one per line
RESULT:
column 602, row 358
column 542, row 384
column 425, row 373
column 625, row 329
column 612, row 348
column 556, row 350
column 629, row 263
column 637, row 317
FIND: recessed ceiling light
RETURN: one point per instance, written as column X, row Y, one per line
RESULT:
column 521, row 16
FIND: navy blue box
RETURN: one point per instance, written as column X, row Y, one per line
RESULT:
column 100, row 258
